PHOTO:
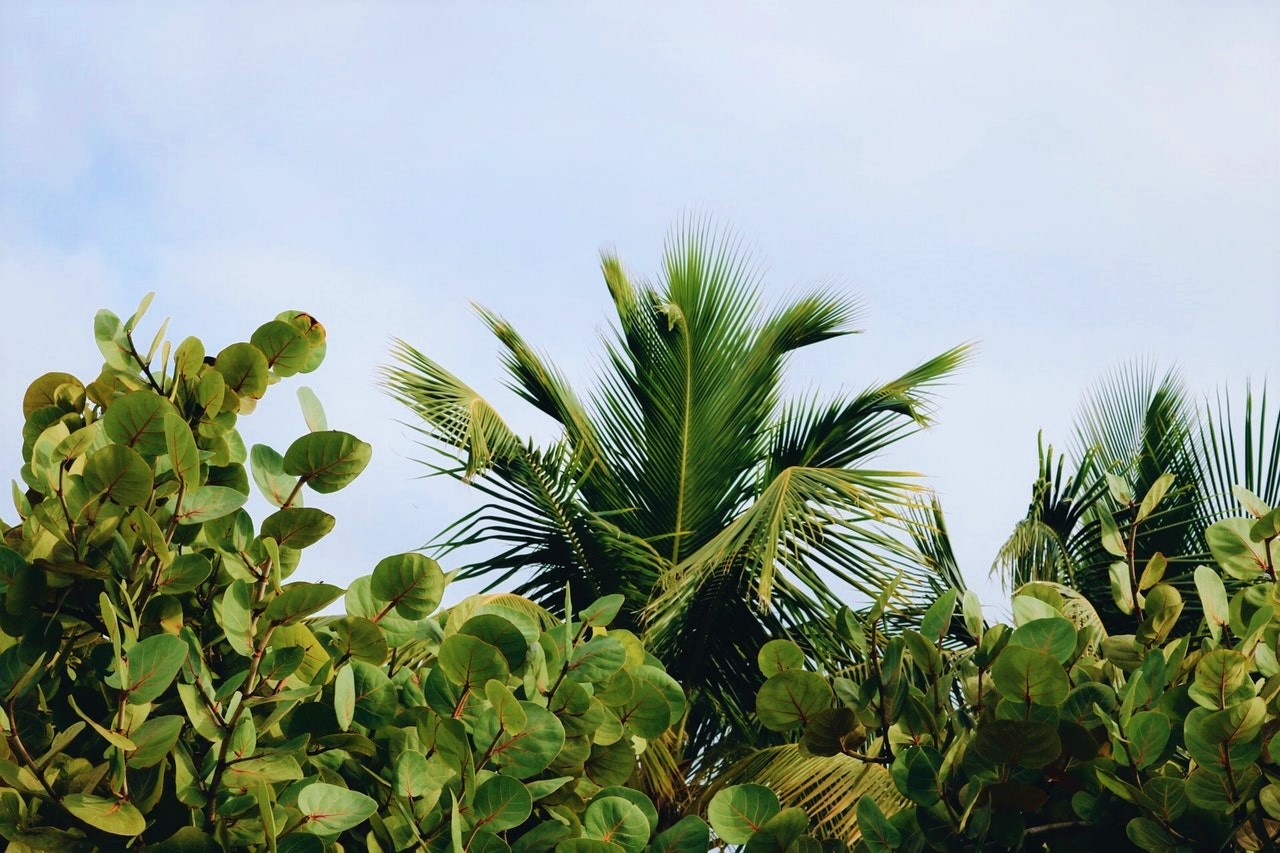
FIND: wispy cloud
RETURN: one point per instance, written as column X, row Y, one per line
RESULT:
column 1072, row 185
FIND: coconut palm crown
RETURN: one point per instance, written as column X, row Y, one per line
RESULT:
column 725, row 513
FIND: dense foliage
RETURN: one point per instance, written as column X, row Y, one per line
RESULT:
column 163, row 682
column 1052, row 732
column 165, row 685
column 1135, row 427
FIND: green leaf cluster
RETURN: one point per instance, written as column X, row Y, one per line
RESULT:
column 166, row 685
column 1049, row 730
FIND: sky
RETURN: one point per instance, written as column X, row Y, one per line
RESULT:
column 1071, row 186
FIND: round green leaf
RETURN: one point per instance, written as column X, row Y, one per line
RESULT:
column 186, row 573
column 284, row 346
column 1147, row 732
column 154, row 740
column 646, row 712
column 1236, row 723
column 209, row 502
column 359, row 638
column 500, row 803
column 361, row 602
column 658, row 678
column 1054, row 636
column 153, row 663
column 826, row 731
column 300, row 599
column 137, row 420
column 1208, row 752
column 234, row 616
column 597, row 660
column 413, row 775
column 937, row 619
column 1234, row 550
column 690, row 834
column 114, row 816
column 781, row 833
column 601, row 611
column 1167, row 795
column 877, row 832
column 296, row 527
column 636, row 798
column 1148, row 834
column 180, row 445
column 1029, row 675
column 528, row 751
column 617, row 820
column 738, row 811
column 76, row 444
column 410, row 583
column 330, row 809
column 505, row 706
column 611, row 764
column 268, row 472
column 1213, row 600
column 915, row 772
column 791, row 698
column 244, row 370
column 776, row 656
column 469, row 661
column 313, row 331
column 263, row 770
column 120, row 474
column 44, row 392
column 327, row 460
column 1222, row 679
column 499, row 632
column 580, row 712
column 1209, row 790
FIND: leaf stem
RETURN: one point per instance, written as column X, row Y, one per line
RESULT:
column 21, row 749
column 297, row 487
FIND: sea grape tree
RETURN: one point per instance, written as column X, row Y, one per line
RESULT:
column 1049, row 730
column 165, row 685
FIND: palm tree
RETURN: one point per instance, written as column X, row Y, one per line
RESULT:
column 725, row 513
column 1137, row 425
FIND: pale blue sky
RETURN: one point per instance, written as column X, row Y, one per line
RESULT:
column 1072, row 185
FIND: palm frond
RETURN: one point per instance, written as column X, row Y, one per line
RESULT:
column 811, row 319
column 1243, row 452
column 454, row 413
column 542, row 385
column 1131, row 418
column 850, row 431
column 927, row 527
column 827, row 788
column 803, row 511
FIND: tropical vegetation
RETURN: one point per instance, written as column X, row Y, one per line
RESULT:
column 1053, row 732
column 725, row 511
column 712, row 620
column 166, row 686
